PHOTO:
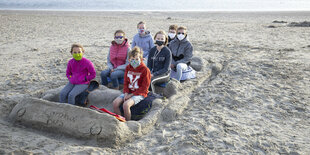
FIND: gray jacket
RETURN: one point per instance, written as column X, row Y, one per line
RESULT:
column 182, row 51
column 145, row 42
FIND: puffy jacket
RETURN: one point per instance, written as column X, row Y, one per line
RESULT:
column 118, row 55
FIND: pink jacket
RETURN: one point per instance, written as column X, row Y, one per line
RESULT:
column 80, row 72
column 118, row 55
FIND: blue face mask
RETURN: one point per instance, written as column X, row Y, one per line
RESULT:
column 135, row 63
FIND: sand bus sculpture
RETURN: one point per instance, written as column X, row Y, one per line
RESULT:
column 49, row 115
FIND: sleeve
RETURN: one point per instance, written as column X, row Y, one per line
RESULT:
column 123, row 67
column 125, row 89
column 91, row 71
column 167, row 64
column 146, row 81
column 151, row 43
column 110, row 65
column 188, row 54
column 133, row 44
column 68, row 71
column 172, row 60
column 149, row 60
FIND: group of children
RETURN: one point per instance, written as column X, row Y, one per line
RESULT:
column 141, row 66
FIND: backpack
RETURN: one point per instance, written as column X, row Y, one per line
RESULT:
column 81, row 99
column 139, row 110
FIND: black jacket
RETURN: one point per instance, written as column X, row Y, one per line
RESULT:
column 159, row 63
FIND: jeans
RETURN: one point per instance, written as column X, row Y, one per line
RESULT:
column 70, row 91
column 114, row 76
column 180, row 68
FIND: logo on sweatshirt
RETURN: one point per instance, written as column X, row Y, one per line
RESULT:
column 133, row 80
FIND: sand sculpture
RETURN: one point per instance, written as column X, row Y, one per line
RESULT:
column 84, row 123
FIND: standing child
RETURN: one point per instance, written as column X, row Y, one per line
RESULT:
column 143, row 39
column 136, row 83
column 79, row 72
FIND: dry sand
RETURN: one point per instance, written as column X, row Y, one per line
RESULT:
column 258, row 103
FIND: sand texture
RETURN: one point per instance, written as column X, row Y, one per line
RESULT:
column 251, row 97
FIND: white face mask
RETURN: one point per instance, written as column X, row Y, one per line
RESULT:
column 171, row 35
column 118, row 41
column 181, row 36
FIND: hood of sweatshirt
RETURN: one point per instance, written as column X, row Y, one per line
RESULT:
column 147, row 34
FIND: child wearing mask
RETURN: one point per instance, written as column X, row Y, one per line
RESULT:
column 143, row 39
column 172, row 33
column 182, row 53
column 117, row 59
column 136, row 83
column 79, row 72
column 159, row 60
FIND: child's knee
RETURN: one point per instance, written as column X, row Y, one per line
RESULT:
column 128, row 104
column 116, row 102
column 104, row 73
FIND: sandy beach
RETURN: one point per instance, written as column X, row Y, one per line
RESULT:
column 258, row 104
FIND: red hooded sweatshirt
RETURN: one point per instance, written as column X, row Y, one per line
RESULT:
column 137, row 81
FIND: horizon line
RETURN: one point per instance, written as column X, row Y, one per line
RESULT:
column 85, row 10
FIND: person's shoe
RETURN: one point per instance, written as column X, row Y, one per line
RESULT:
column 116, row 88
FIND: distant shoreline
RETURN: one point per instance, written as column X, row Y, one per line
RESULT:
column 211, row 11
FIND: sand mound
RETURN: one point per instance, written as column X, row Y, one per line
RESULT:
column 48, row 115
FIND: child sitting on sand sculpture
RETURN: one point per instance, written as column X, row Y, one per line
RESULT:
column 172, row 32
column 159, row 60
column 136, row 83
column 182, row 53
column 79, row 72
column 116, row 60
column 143, row 39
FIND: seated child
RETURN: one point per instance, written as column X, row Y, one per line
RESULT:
column 159, row 60
column 79, row 72
column 182, row 53
column 172, row 33
column 136, row 83
column 143, row 39
column 116, row 60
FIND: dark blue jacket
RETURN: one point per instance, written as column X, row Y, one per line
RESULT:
column 159, row 63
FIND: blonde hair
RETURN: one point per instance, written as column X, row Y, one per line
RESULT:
column 163, row 33
column 76, row 45
column 182, row 28
column 136, row 51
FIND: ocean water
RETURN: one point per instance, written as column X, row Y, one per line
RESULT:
column 157, row 5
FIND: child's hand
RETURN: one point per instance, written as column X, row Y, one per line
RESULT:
column 128, row 96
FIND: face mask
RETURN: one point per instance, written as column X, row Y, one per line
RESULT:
column 135, row 63
column 118, row 41
column 140, row 31
column 181, row 36
column 77, row 56
column 171, row 35
column 159, row 43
